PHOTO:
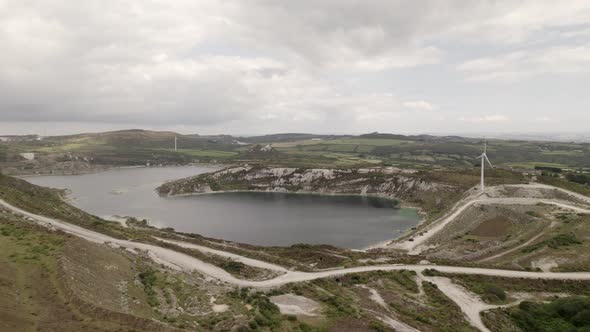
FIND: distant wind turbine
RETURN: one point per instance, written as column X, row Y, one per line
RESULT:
column 484, row 158
column 175, row 143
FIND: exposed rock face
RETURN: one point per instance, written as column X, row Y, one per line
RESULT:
column 28, row 156
column 401, row 184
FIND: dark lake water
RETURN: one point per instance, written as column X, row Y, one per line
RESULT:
column 255, row 218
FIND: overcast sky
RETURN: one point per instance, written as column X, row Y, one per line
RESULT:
column 322, row 66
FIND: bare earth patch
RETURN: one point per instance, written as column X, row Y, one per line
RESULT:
column 219, row 308
column 494, row 227
column 545, row 264
column 291, row 304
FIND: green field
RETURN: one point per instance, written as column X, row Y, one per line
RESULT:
column 207, row 153
column 138, row 147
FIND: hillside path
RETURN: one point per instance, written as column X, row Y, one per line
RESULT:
column 417, row 243
column 180, row 261
column 184, row 262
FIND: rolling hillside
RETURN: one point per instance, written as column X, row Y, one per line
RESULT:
column 87, row 152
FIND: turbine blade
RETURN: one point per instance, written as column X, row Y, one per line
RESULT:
column 488, row 160
column 481, row 156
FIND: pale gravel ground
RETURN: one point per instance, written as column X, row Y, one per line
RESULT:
column 544, row 186
column 545, row 264
column 291, row 304
column 120, row 220
column 219, row 308
column 376, row 297
column 470, row 303
column 238, row 258
column 394, row 323
column 397, row 325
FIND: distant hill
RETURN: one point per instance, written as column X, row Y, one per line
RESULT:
column 288, row 137
column 85, row 152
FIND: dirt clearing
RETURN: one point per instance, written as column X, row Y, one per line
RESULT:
column 494, row 227
column 291, row 304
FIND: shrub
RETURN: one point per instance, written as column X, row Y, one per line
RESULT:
column 578, row 178
column 377, row 326
column 556, row 242
column 533, row 214
column 565, row 314
column 431, row 273
column 493, row 292
column 148, row 279
column 233, row 267
column 550, row 169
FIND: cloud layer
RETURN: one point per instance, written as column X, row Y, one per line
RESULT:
column 270, row 66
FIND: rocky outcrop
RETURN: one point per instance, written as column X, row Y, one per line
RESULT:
column 384, row 182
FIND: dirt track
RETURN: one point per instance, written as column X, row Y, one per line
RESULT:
column 418, row 243
column 180, row 261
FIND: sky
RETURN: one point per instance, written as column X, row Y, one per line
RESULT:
column 316, row 66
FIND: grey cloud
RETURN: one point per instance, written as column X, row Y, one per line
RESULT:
column 284, row 63
column 523, row 64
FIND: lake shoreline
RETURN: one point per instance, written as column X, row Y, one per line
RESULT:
column 348, row 231
column 311, row 193
column 398, row 205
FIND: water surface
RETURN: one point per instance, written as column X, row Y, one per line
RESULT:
column 255, row 218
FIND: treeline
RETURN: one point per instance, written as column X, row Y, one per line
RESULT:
column 566, row 314
column 548, row 169
column 578, row 178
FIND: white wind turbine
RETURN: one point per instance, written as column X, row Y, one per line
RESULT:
column 484, row 158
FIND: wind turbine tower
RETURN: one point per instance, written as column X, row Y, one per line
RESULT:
column 484, row 158
column 175, row 143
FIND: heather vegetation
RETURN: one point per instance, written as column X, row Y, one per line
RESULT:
column 567, row 314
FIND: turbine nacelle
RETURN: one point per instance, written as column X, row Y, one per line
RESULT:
column 485, row 156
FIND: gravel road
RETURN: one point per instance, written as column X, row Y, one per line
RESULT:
column 470, row 305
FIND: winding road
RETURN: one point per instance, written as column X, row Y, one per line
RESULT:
column 180, row 261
